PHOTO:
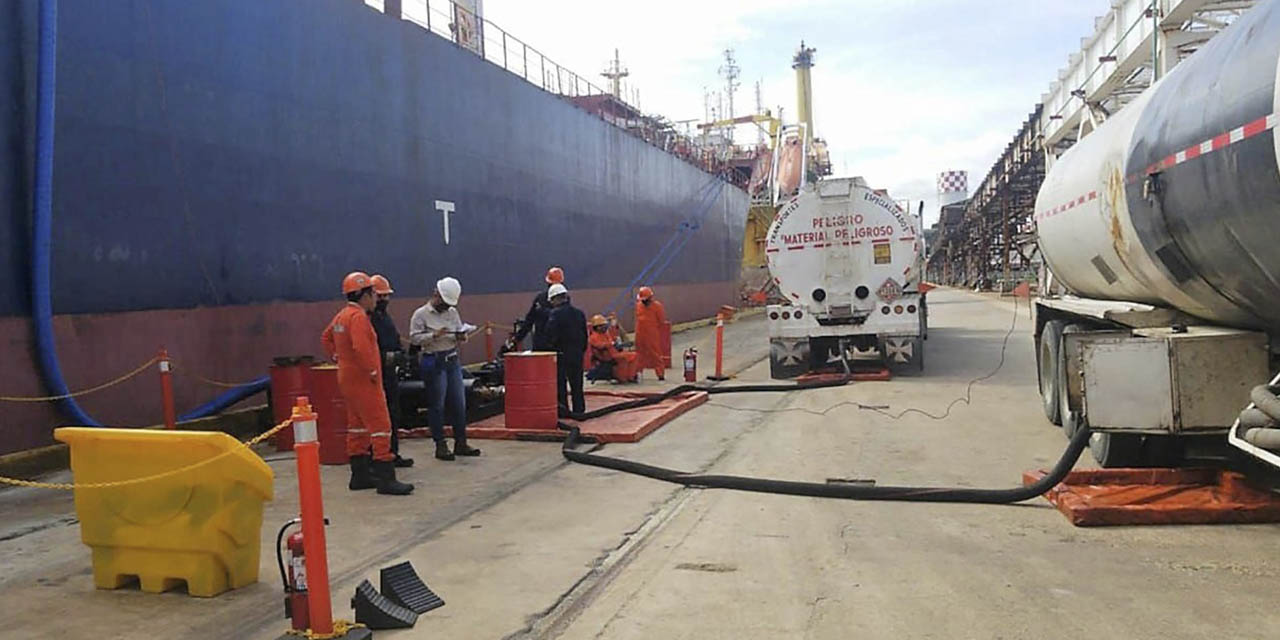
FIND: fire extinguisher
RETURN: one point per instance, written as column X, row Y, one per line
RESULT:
column 294, row 576
column 691, row 365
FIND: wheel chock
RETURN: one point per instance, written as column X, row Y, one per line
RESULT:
column 376, row 611
column 401, row 585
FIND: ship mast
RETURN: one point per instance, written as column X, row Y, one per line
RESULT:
column 615, row 73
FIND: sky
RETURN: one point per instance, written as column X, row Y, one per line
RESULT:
column 903, row 89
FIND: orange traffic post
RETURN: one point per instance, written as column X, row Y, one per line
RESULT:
column 719, row 349
column 306, row 446
column 166, row 390
column 488, row 341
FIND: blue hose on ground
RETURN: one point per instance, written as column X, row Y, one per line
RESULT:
column 42, row 218
column 220, row 403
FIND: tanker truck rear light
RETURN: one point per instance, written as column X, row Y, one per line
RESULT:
column 884, row 310
column 862, row 292
column 897, row 308
column 786, row 315
column 819, row 295
column 797, row 315
column 773, row 315
column 911, row 308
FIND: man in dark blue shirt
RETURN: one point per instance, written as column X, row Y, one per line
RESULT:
column 567, row 333
column 390, row 348
column 535, row 320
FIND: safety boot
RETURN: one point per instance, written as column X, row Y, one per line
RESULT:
column 460, row 448
column 385, row 473
column 361, row 477
column 442, row 451
column 402, row 463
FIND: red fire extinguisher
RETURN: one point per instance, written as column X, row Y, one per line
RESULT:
column 294, row 576
column 691, row 364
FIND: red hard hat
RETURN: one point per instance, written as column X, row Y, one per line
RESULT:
column 555, row 275
column 355, row 281
column 380, row 284
column 645, row 293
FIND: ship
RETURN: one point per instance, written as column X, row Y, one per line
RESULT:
column 217, row 167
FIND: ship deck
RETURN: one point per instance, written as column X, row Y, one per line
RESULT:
column 522, row 544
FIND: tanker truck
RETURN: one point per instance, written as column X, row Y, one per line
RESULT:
column 1163, row 227
column 848, row 261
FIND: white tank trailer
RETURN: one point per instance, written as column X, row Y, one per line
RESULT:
column 1164, row 226
column 848, row 259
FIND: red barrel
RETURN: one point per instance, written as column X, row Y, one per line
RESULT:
column 290, row 378
column 331, row 412
column 530, row 400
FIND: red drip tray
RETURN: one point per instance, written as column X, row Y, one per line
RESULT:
column 1159, row 496
column 873, row 375
column 624, row 426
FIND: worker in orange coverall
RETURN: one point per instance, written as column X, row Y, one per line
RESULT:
column 607, row 360
column 651, row 316
column 350, row 340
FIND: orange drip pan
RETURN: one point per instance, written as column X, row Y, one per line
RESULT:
column 624, row 426
column 1103, row 497
column 869, row 375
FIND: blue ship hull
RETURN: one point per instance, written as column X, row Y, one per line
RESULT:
column 220, row 165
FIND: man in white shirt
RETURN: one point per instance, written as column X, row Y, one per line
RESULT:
column 437, row 328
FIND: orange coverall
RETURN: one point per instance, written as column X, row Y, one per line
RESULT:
column 602, row 350
column 650, row 319
column 351, row 338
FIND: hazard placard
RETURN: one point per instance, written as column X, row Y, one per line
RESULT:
column 883, row 252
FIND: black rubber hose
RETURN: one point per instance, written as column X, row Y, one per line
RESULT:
column 825, row 490
column 1264, row 397
column 284, row 579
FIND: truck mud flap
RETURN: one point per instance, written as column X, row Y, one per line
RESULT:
column 788, row 357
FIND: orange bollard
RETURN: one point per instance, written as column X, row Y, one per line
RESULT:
column 719, row 349
column 306, row 447
column 488, row 341
column 166, row 390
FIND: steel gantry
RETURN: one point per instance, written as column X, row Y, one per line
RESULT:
column 988, row 241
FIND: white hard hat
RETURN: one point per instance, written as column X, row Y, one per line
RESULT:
column 449, row 289
column 556, row 289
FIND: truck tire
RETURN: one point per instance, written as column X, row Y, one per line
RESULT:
column 1113, row 450
column 1071, row 419
column 1049, row 369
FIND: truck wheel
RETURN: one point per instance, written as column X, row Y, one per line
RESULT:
column 1050, row 369
column 1072, row 419
column 1113, row 450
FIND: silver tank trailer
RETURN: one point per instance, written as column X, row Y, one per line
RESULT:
column 1175, row 201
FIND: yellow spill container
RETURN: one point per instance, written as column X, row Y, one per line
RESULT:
column 200, row 527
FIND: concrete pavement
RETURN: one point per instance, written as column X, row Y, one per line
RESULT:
column 523, row 545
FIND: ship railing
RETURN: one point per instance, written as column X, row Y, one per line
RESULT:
column 455, row 22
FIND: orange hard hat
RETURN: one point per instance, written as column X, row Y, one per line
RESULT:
column 355, row 281
column 555, row 275
column 645, row 293
column 598, row 320
column 380, row 284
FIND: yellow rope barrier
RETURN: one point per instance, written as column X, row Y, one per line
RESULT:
column 340, row 628
column 69, row 486
column 143, row 367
